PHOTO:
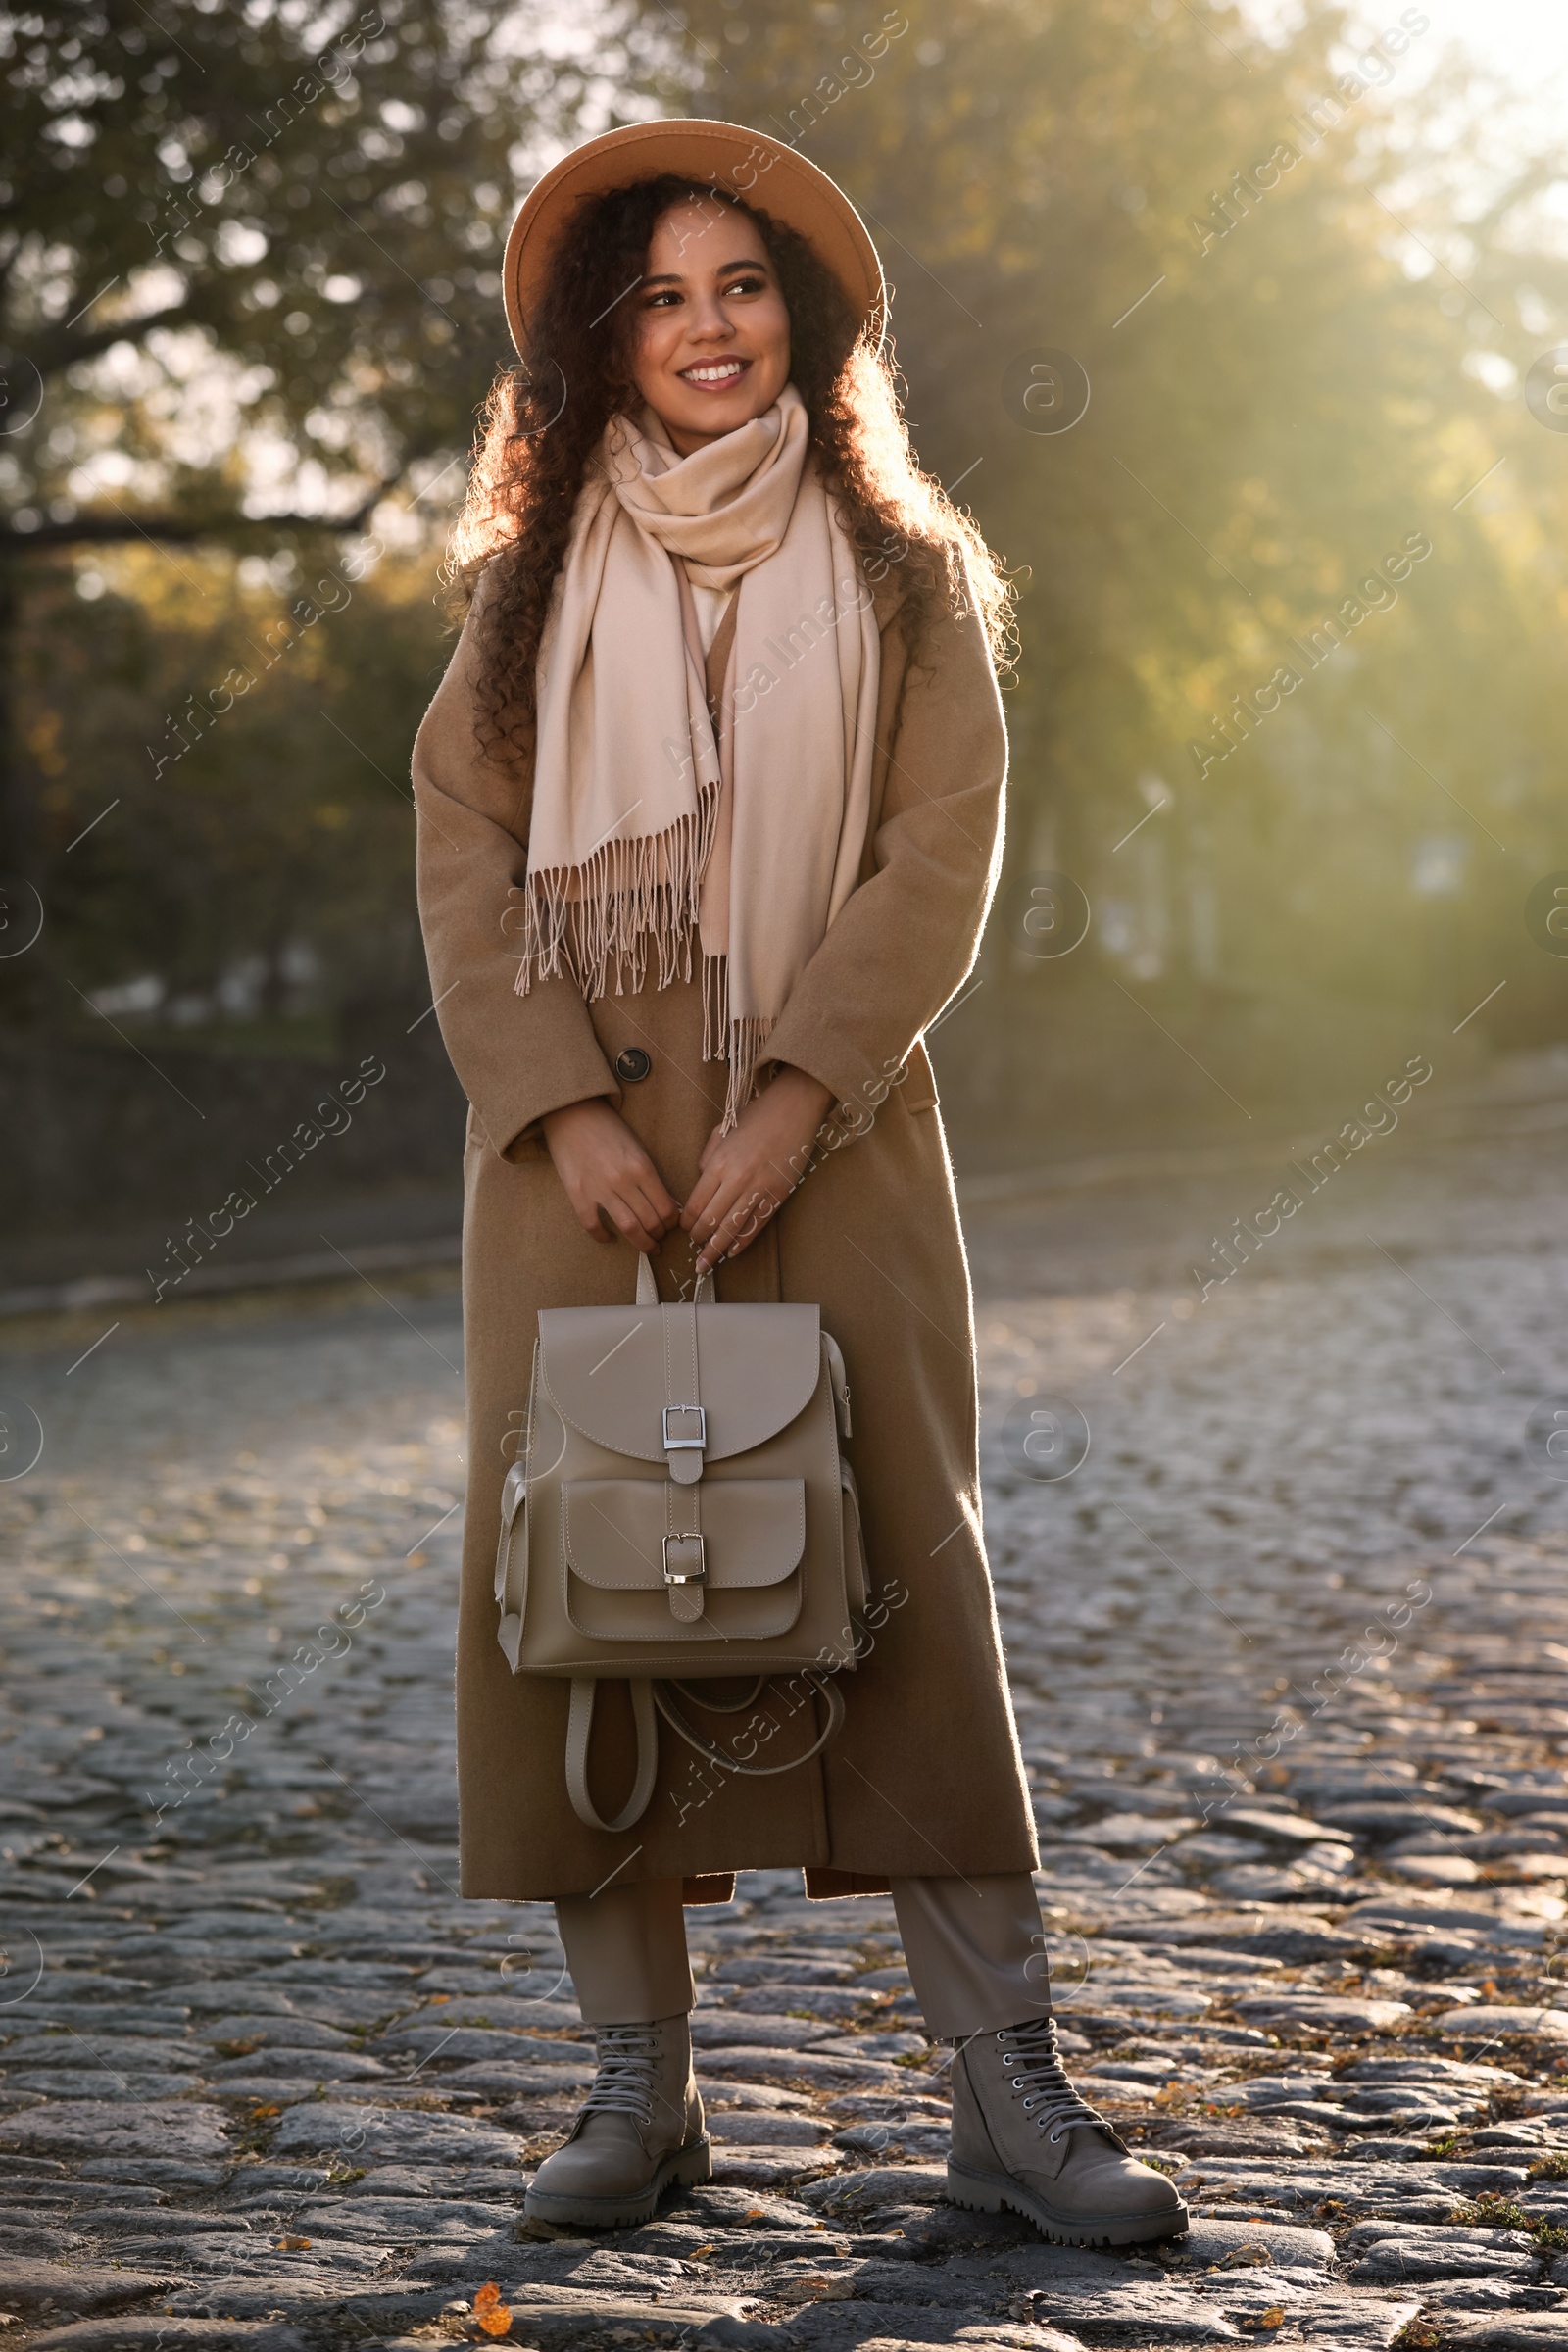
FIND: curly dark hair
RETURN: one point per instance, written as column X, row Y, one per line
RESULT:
column 543, row 419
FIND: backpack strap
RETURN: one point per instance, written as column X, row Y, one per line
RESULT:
column 646, row 1697
column 833, row 1699
column 579, row 1731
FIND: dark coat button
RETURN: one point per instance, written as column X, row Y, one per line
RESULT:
column 633, row 1065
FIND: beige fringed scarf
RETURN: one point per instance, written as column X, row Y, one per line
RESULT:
column 646, row 829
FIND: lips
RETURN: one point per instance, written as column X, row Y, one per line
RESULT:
column 714, row 376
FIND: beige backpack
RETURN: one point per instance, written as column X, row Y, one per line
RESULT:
column 681, row 1514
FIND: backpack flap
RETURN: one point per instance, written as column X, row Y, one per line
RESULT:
column 649, row 1560
column 681, row 1384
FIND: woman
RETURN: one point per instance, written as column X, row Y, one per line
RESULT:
column 685, row 945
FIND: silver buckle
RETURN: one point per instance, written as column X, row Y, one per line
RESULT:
column 691, row 1576
column 686, row 1445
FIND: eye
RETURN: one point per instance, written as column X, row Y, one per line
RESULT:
column 665, row 295
column 751, row 282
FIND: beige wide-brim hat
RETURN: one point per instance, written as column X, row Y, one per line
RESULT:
column 745, row 164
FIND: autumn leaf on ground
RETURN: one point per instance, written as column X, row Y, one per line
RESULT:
column 490, row 2311
column 289, row 2246
column 815, row 2287
column 1274, row 2317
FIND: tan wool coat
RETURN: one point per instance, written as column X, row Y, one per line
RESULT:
column 925, row 1778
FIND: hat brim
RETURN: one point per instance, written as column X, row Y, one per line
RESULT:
column 735, row 161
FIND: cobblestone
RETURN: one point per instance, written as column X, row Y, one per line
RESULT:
column 1290, row 1647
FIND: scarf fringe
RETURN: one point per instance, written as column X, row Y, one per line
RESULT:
column 741, row 1043
column 634, row 903
column 747, row 1042
column 599, row 923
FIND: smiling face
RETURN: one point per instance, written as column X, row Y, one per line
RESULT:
column 711, row 343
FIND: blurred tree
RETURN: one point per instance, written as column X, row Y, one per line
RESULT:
column 266, row 870
column 249, row 265
column 1290, row 375
column 250, row 287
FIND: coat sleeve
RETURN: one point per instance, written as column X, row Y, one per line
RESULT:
column 907, row 937
column 516, row 1058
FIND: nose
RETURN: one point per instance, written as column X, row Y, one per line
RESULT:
column 709, row 322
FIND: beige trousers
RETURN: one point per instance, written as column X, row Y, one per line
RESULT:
column 975, row 1948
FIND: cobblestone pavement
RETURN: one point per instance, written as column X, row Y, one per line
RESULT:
column 1291, row 1655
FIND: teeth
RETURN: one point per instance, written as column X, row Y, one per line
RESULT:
column 711, row 375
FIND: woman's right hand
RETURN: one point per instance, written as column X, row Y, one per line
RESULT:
column 612, row 1185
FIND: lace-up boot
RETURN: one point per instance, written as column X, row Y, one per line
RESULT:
column 640, row 2132
column 1023, row 2140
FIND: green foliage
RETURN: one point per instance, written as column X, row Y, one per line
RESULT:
column 257, row 274
column 318, row 201
column 285, row 826
column 1494, row 2211
column 1281, row 399
column 249, row 287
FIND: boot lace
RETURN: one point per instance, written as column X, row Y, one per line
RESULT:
column 1031, row 2064
column 624, row 2083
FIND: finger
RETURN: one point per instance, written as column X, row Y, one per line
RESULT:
column 724, row 1244
column 701, row 1200
column 629, row 1225
column 643, row 1182
column 749, row 1221
column 731, row 1241
column 646, row 1203
column 783, row 1175
column 707, row 1220
column 706, row 1229
column 734, row 1184
column 709, row 1149
column 738, row 1227
column 663, row 1199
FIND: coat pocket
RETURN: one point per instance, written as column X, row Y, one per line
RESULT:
column 919, row 1088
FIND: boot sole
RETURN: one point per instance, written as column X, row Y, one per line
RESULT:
column 687, row 2167
column 999, row 2192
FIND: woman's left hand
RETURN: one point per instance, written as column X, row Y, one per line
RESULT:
column 749, row 1174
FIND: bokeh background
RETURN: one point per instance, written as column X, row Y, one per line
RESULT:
column 1309, row 270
